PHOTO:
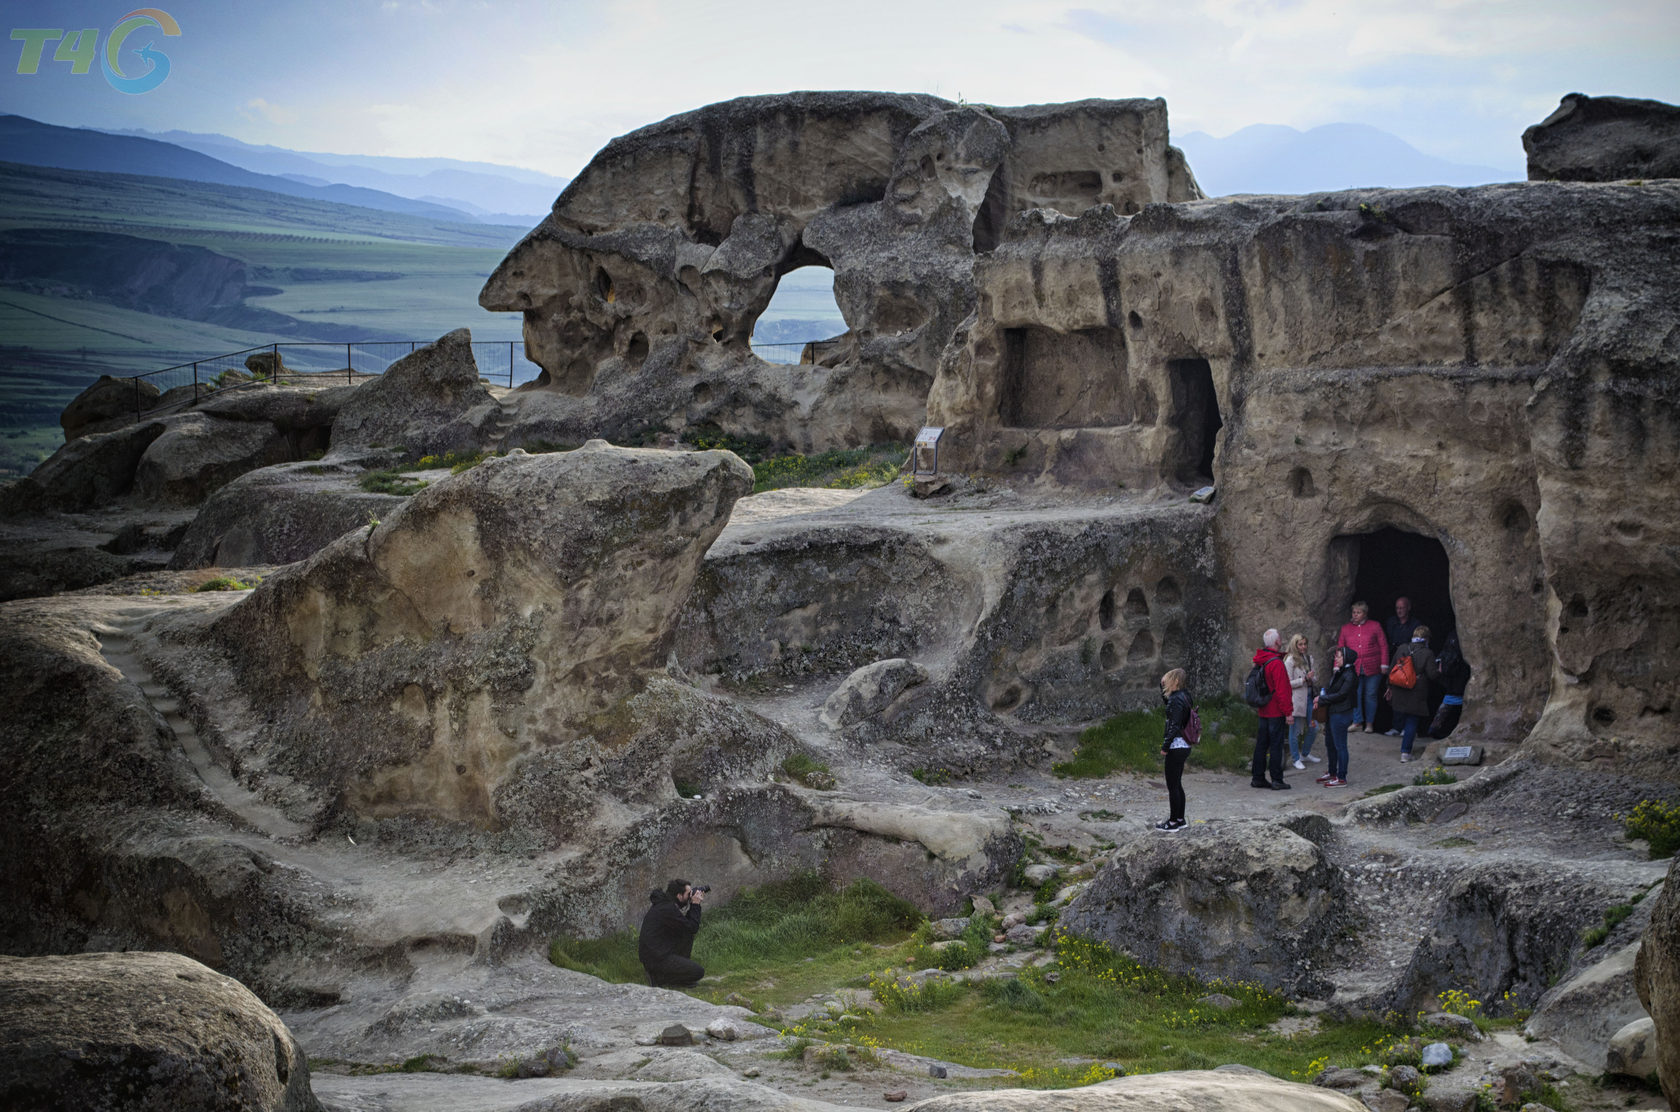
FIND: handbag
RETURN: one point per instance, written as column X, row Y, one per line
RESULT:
column 1321, row 712
column 1404, row 673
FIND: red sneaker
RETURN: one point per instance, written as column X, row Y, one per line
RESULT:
column 1336, row 783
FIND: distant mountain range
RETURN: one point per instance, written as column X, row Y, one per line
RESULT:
column 493, row 193
column 1270, row 158
column 32, row 143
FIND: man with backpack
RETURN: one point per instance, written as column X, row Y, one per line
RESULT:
column 1267, row 691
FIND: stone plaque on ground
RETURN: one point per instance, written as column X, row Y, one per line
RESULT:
column 1462, row 755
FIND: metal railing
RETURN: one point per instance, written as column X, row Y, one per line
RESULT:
column 314, row 362
column 794, row 351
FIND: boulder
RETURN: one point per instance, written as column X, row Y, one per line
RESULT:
column 199, row 452
column 1585, row 1010
column 500, row 617
column 1633, row 1050
column 1503, row 927
column 1656, row 974
column 642, row 288
column 1245, row 900
column 419, row 404
column 870, row 691
column 109, row 403
column 88, row 471
column 1205, row 1090
column 281, row 514
column 142, row 1031
column 1605, row 139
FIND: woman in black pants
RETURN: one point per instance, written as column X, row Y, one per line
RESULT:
column 1173, row 746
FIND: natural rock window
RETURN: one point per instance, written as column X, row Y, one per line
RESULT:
column 802, row 310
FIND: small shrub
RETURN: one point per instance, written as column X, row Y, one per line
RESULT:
column 1012, row 994
column 1659, row 824
column 1436, row 775
column 900, row 995
column 932, row 777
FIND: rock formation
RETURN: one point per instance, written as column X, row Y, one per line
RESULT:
column 1221, row 1090
column 1656, row 974
column 142, row 1031
column 1242, row 901
column 1605, row 139
column 1484, row 371
column 640, row 291
column 419, row 404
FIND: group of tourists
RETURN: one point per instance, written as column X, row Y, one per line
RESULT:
column 1370, row 663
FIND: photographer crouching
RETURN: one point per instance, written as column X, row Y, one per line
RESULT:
column 668, row 931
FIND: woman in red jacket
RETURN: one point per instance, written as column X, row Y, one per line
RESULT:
column 1366, row 639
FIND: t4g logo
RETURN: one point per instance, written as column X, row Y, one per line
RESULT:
column 79, row 48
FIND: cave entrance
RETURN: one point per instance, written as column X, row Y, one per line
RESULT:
column 1387, row 564
column 1195, row 416
column 802, row 317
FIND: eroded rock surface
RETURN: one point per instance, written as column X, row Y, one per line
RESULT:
column 1656, row 975
column 1235, row 1090
column 498, row 618
column 641, row 290
column 142, row 1031
column 419, row 405
column 1242, row 901
column 1605, row 139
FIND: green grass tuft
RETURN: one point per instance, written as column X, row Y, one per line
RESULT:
column 840, row 469
column 226, row 583
column 1131, row 741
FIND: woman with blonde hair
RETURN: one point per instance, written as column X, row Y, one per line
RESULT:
column 1299, row 665
column 1174, row 746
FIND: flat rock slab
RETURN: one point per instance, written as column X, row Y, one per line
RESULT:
column 438, row 1092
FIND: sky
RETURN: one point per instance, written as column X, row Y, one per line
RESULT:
column 546, row 85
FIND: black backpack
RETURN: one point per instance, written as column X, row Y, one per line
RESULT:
column 1256, row 691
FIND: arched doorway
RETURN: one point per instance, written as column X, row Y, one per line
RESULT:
column 1194, row 414
column 1387, row 564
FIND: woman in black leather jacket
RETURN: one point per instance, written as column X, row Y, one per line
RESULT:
column 1341, row 699
column 1174, row 747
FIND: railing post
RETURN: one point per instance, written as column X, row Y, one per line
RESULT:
column 137, row 398
column 510, row 364
column 195, row 382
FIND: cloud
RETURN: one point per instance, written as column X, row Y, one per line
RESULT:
column 259, row 109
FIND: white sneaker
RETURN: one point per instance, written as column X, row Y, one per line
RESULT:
column 1392, row 733
column 1300, row 764
column 1313, row 759
column 1404, row 757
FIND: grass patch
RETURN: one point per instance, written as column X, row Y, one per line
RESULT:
column 1454, row 842
column 1658, row 823
column 809, row 771
column 1131, row 741
column 1103, row 1005
column 390, row 482
column 932, row 777
column 1436, row 775
column 226, row 583
column 1614, row 916
column 840, row 469
column 778, row 943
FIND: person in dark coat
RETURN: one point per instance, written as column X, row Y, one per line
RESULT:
column 1411, row 705
column 1340, row 698
column 667, row 937
column 1174, row 748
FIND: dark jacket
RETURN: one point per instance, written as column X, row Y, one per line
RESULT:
column 667, row 928
column 1399, row 632
column 1178, row 713
column 1342, row 691
column 1414, row 700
